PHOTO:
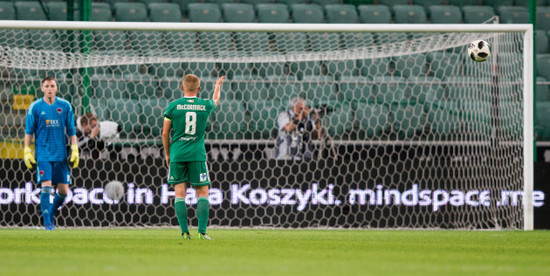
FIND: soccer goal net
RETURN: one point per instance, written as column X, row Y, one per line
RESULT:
column 414, row 134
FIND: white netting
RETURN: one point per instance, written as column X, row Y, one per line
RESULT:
column 415, row 134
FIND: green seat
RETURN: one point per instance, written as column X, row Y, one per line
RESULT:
column 215, row 42
column 30, row 10
column 202, row 69
column 152, row 116
column 255, row 2
column 372, row 120
column 161, row 70
column 272, row 13
column 445, row 14
column 543, row 90
column 207, row 90
column 238, row 71
column 264, row 114
column 183, row 5
column 497, row 3
column 462, row 3
column 356, row 89
column 130, row 12
column 339, row 68
column 410, row 65
column 374, row 14
column 463, row 88
column 170, row 88
column 147, row 2
column 141, row 86
column 149, row 41
column 100, row 108
column 409, row 120
column 204, row 12
column 543, row 18
column 390, row 89
column 323, row 3
column 58, row 11
column 513, row 14
column 541, row 41
column 407, row 14
column 44, row 40
column 7, row 11
column 357, row 40
column 339, row 122
column 324, row 41
column 101, row 12
column 110, row 40
column 307, row 13
column 543, row 65
column 164, row 12
column 477, row 14
column 113, row 2
column 427, row 3
column 291, row 42
column 238, row 13
column 305, row 68
column 230, row 121
column 127, row 113
column 443, row 118
column 391, row 3
column 180, row 41
column 476, row 116
column 108, row 87
column 444, row 64
column 543, row 124
column 254, row 43
column 283, row 91
column 320, row 90
column 272, row 69
column 250, row 90
column 341, row 13
column 423, row 89
column 374, row 66
column 290, row 2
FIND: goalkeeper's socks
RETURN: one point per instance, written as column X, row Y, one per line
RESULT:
column 58, row 200
column 202, row 213
column 45, row 206
column 181, row 214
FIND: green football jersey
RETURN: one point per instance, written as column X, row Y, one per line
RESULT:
column 189, row 116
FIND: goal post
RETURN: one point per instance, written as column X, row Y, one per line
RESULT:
column 415, row 135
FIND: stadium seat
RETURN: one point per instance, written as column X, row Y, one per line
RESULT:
column 461, row 88
column 291, row 42
column 204, row 12
column 377, row 14
column 339, row 68
column 444, row 64
column 29, row 10
column 477, row 14
column 410, row 65
column 476, row 116
column 372, row 119
column 147, row 2
column 141, row 86
column 543, row 90
column 307, row 13
column 204, row 70
column 543, row 65
column 513, row 14
column 543, row 18
column 324, row 41
column 392, row 3
column 264, row 112
column 238, row 13
column 357, row 40
column 290, row 2
column 389, row 89
column 339, row 122
column 170, row 88
column 254, row 43
column 445, row 14
column 305, row 68
column 44, row 40
column 113, row 2
column 374, row 66
column 180, row 41
column 462, row 3
column 409, row 14
column 152, row 115
column 230, row 122
column 101, row 12
column 427, row 3
column 238, row 71
column 127, row 113
column 323, row 3
column 58, row 11
column 356, row 89
column 320, row 90
column 110, row 40
column 283, row 90
column 100, row 107
column 272, row 13
column 14, row 38
column 130, row 12
column 7, row 11
column 108, row 87
column 183, row 4
column 145, row 41
column 497, row 3
column 270, row 69
column 164, row 12
column 216, row 42
column 443, row 118
column 543, row 124
column 541, row 41
column 423, row 89
column 250, row 90
column 341, row 13
column 161, row 70
column 409, row 120
column 254, row 2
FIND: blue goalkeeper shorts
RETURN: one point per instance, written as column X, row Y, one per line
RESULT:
column 56, row 171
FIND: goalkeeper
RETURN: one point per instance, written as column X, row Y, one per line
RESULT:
column 185, row 120
column 50, row 119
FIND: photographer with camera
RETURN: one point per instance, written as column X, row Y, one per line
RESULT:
column 298, row 127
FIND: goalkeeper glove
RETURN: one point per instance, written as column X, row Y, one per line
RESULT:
column 74, row 155
column 28, row 158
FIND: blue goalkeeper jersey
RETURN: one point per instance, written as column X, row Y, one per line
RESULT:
column 49, row 124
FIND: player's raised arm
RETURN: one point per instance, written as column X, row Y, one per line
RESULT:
column 216, row 96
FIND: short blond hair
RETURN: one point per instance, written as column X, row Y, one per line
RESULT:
column 191, row 83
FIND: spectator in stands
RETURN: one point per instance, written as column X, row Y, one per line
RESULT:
column 88, row 134
column 298, row 126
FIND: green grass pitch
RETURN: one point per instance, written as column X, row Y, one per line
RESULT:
column 273, row 252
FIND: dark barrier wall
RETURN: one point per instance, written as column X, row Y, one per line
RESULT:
column 328, row 193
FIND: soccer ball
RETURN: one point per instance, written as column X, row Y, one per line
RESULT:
column 114, row 190
column 479, row 50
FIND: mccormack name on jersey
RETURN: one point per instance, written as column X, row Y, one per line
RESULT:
column 189, row 116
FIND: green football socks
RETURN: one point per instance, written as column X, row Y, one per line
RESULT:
column 202, row 213
column 181, row 214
